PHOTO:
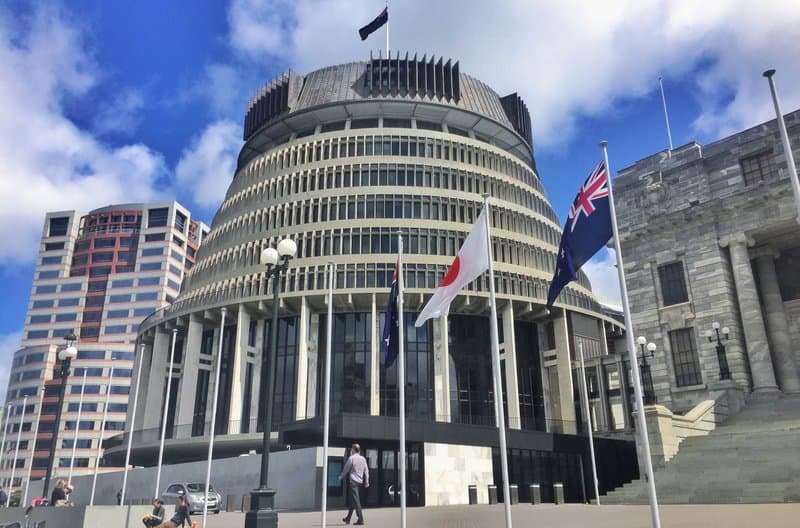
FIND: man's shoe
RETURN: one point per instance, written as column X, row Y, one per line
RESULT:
column 346, row 520
column 357, row 523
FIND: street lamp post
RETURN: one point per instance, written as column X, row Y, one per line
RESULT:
column 66, row 355
column 262, row 512
column 647, row 350
column 724, row 372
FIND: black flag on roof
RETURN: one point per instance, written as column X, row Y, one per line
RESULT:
column 373, row 26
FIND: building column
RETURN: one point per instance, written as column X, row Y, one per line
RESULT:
column 564, row 368
column 755, row 333
column 188, row 380
column 375, row 362
column 509, row 350
column 302, row 361
column 159, row 360
column 314, row 385
column 777, row 325
column 238, row 372
column 441, row 369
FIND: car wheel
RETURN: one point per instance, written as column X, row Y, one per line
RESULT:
column 216, row 512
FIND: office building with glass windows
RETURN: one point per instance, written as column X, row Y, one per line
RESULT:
column 339, row 160
column 98, row 274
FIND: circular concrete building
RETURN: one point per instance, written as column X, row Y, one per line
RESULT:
column 340, row 160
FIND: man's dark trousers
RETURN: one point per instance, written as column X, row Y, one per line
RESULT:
column 354, row 492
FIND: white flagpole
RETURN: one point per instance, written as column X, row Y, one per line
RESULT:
column 166, row 410
column 637, row 381
column 327, row 398
column 787, row 146
column 133, row 422
column 16, row 452
column 77, row 428
column 588, row 423
column 33, row 448
column 213, row 417
column 401, row 379
column 387, row 31
column 666, row 115
column 5, row 431
column 102, row 431
column 498, row 384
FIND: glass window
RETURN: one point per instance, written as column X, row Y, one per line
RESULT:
column 157, row 217
column 149, row 281
column 105, row 243
column 758, row 168
column 53, row 246
column 152, row 251
column 155, row 237
column 116, row 314
column 150, row 266
column 147, row 296
column 63, row 317
column 673, row 283
column 72, row 301
column 142, row 312
column 116, row 329
column 91, row 354
column 43, row 304
column 72, row 286
column 122, row 283
column 58, row 226
column 685, row 358
column 51, row 260
column 126, row 297
column 39, row 319
column 37, row 334
column 47, row 288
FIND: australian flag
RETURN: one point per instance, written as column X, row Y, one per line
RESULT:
column 390, row 337
column 588, row 228
column 373, row 26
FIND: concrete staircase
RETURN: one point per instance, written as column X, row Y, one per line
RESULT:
column 754, row 457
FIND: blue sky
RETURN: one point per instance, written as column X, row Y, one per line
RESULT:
column 106, row 102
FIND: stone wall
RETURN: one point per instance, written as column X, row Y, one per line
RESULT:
column 793, row 315
column 449, row 469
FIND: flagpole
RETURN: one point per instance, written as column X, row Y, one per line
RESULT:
column 588, row 422
column 401, row 378
column 498, row 385
column 132, row 423
column 637, row 381
column 327, row 400
column 166, row 410
column 666, row 116
column 102, row 430
column 16, row 452
column 33, row 447
column 387, row 31
column 787, row 145
column 77, row 428
column 224, row 311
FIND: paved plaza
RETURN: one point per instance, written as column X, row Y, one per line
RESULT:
column 548, row 515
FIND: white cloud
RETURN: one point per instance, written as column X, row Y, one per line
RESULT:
column 602, row 273
column 206, row 168
column 120, row 115
column 9, row 343
column 47, row 162
column 567, row 59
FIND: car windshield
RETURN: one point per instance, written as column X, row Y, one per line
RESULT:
column 198, row 487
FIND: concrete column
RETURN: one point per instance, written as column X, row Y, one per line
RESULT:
column 316, row 344
column 623, row 389
column 441, row 369
column 141, row 393
column 188, row 380
column 755, row 333
column 302, row 361
column 564, row 367
column 255, row 393
column 154, row 405
column 777, row 325
column 238, row 372
column 375, row 362
column 509, row 350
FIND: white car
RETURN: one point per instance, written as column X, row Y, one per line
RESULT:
column 193, row 491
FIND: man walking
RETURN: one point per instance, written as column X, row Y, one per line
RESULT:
column 357, row 473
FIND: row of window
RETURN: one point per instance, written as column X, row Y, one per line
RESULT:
column 27, row 359
column 95, row 389
column 373, row 175
column 96, row 407
column 122, row 243
column 53, row 288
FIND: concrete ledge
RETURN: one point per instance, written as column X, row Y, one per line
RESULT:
column 76, row 516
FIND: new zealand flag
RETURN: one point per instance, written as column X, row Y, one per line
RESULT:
column 588, row 228
column 389, row 341
column 373, row 26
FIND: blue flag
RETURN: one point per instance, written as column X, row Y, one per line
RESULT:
column 373, row 26
column 390, row 335
column 587, row 229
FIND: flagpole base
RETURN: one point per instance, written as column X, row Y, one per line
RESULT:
column 262, row 512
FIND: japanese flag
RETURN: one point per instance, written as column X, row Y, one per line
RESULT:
column 471, row 261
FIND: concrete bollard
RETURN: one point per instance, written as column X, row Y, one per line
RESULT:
column 558, row 493
column 492, row 494
column 472, row 491
column 536, row 494
column 246, row 502
column 513, row 490
column 230, row 503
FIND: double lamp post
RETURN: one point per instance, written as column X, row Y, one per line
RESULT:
column 262, row 512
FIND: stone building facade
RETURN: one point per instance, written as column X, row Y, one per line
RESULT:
column 339, row 159
column 710, row 234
